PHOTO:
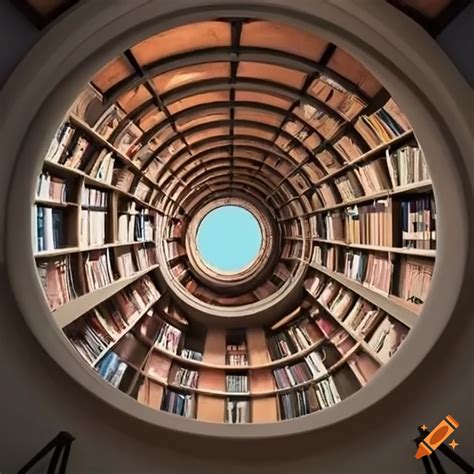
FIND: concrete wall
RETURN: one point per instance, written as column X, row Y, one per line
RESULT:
column 37, row 399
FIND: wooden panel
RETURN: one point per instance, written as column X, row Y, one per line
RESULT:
column 257, row 346
column 265, row 34
column 265, row 409
column 151, row 394
column 111, row 74
column 210, row 408
column 185, row 38
column 271, row 72
column 349, row 67
column 215, row 346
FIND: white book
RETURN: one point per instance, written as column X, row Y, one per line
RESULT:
column 48, row 229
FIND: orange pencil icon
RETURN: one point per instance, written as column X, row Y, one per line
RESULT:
column 444, row 429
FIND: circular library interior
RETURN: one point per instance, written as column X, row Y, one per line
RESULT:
column 233, row 225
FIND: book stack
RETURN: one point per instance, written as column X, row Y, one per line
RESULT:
column 348, row 186
column 373, row 177
column 292, row 375
column 415, row 279
column 109, row 121
column 190, row 354
column 236, row 354
column 370, row 224
column 60, row 143
column 145, row 256
column 237, row 411
column 371, row 270
column 79, row 154
column 179, row 404
column 144, row 228
column 168, row 338
column 51, row 188
column 49, row 230
column 314, row 285
column 142, row 190
column 341, row 303
column 103, row 169
column 330, row 256
column 407, row 165
column 122, row 178
column 93, row 217
column 186, row 377
column 325, row 124
column 382, row 126
column 334, row 226
column 112, row 369
column 387, row 338
column 126, row 141
column 298, row 403
column 296, row 337
column 363, row 317
column 57, row 281
column 89, row 336
column 98, row 269
column 418, row 216
column 327, row 393
column 125, row 262
column 174, row 249
column 349, row 148
column 236, row 383
column 337, row 97
column 326, row 195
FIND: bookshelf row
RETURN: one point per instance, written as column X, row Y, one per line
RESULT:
column 398, row 172
column 329, row 347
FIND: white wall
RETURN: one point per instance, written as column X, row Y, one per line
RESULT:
column 37, row 399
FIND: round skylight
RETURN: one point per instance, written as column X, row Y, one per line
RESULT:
column 229, row 239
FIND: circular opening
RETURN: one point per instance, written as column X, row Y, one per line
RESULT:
column 229, row 239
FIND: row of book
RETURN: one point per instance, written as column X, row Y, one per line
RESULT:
column 303, row 402
column 112, row 369
column 312, row 367
column 295, row 337
column 369, row 179
column 179, row 403
column 62, row 281
column 91, row 197
column 95, row 331
column 51, row 188
column 237, row 383
column 191, row 354
column 384, row 334
column 77, row 149
column 236, row 354
column 48, row 228
column 237, row 411
column 168, row 337
column 409, row 222
column 57, row 281
column 138, row 227
column 93, row 228
column 186, row 377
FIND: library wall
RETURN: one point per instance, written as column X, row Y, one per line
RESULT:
column 38, row 400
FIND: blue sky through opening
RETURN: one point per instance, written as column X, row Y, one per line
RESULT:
column 229, row 238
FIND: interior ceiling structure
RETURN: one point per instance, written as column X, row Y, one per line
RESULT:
column 231, row 108
column 231, row 111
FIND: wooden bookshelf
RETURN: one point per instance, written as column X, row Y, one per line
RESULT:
column 134, row 304
column 387, row 303
column 77, row 307
column 405, row 251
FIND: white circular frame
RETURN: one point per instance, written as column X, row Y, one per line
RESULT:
column 418, row 75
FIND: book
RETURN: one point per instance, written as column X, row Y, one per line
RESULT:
column 387, row 338
column 57, row 281
column 237, row 411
